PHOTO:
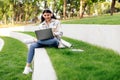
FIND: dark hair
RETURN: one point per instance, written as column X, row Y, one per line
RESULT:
column 47, row 11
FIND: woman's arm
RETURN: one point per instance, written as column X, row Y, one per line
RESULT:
column 57, row 31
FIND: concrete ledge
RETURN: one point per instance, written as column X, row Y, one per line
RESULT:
column 43, row 69
column 1, row 44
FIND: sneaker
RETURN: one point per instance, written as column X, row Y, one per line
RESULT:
column 27, row 70
column 61, row 46
column 66, row 44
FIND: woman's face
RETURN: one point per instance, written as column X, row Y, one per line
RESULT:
column 47, row 16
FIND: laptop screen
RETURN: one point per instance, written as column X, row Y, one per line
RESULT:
column 44, row 34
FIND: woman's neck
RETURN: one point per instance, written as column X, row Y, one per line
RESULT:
column 48, row 21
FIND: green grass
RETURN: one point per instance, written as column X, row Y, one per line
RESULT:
column 103, row 19
column 12, row 60
column 94, row 63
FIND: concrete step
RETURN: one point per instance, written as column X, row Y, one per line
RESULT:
column 43, row 69
column 1, row 44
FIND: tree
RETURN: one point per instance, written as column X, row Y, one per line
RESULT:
column 81, row 8
column 112, row 6
column 84, row 4
column 64, row 9
column 26, row 10
column 5, row 10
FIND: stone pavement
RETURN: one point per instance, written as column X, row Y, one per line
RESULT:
column 102, row 35
column 42, row 67
column 1, row 44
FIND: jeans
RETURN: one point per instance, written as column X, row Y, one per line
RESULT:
column 41, row 43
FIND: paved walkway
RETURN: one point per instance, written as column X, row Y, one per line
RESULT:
column 43, row 69
column 101, row 35
column 20, row 36
column 1, row 44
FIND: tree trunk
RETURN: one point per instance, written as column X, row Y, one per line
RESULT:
column 95, row 9
column 64, row 10
column 5, row 20
column 12, row 19
column 26, row 18
column 80, row 13
column 85, row 5
column 45, row 4
column 112, row 7
column 20, row 17
column 54, row 6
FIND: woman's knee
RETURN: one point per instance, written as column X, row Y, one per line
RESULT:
column 34, row 45
column 56, row 42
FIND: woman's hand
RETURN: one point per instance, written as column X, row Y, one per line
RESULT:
column 35, row 40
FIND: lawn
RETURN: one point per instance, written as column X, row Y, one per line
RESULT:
column 12, row 60
column 103, row 19
column 94, row 63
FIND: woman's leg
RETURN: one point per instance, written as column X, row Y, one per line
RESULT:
column 31, row 51
column 27, row 69
column 51, row 42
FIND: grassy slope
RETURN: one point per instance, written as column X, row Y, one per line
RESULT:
column 12, row 60
column 104, row 19
column 95, row 63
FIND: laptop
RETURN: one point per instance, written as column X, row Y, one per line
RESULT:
column 44, row 34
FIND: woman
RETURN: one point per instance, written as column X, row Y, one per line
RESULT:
column 48, row 20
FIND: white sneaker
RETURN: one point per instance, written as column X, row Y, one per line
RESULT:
column 29, row 41
column 27, row 70
column 61, row 45
column 65, row 43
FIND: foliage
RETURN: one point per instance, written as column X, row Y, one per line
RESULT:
column 17, row 11
column 103, row 19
